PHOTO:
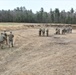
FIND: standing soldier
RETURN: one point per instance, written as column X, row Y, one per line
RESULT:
column 2, row 40
column 10, row 38
column 56, row 31
column 70, row 29
column 43, row 31
column 5, row 34
column 47, row 32
column 40, row 32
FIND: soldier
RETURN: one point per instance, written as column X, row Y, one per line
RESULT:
column 5, row 37
column 10, row 38
column 43, row 32
column 57, row 31
column 47, row 32
column 40, row 32
column 70, row 29
column 2, row 40
column 67, row 29
column 63, row 31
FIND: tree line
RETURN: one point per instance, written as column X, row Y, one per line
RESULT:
column 21, row 14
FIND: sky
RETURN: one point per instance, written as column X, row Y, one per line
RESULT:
column 36, row 5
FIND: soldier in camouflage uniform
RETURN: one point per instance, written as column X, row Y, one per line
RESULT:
column 57, row 31
column 70, row 29
column 67, row 29
column 10, row 38
column 2, row 40
column 63, row 31
column 43, row 32
column 5, row 37
column 40, row 30
column 47, row 32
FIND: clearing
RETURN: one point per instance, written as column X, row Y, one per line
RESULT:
column 34, row 55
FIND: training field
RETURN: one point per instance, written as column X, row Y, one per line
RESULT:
column 34, row 55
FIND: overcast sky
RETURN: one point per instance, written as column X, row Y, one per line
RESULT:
column 35, row 5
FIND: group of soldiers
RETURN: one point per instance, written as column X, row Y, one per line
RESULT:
column 43, row 32
column 59, row 30
column 64, row 30
column 6, row 39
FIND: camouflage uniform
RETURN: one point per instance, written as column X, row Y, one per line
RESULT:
column 10, row 38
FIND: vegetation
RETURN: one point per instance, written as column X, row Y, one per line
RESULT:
column 21, row 14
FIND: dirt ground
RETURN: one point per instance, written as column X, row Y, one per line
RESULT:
column 34, row 55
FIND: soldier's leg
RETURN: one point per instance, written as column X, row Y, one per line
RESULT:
column 58, row 31
column 39, row 33
column 12, row 43
column 9, row 43
column 6, row 42
column 43, row 33
column 63, row 31
column 1, row 45
column 71, row 30
column 47, row 33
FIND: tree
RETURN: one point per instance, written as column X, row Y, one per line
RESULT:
column 41, row 14
column 57, row 15
column 51, row 16
column 63, row 16
column 72, row 10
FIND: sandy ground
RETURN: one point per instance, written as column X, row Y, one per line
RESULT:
column 34, row 55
